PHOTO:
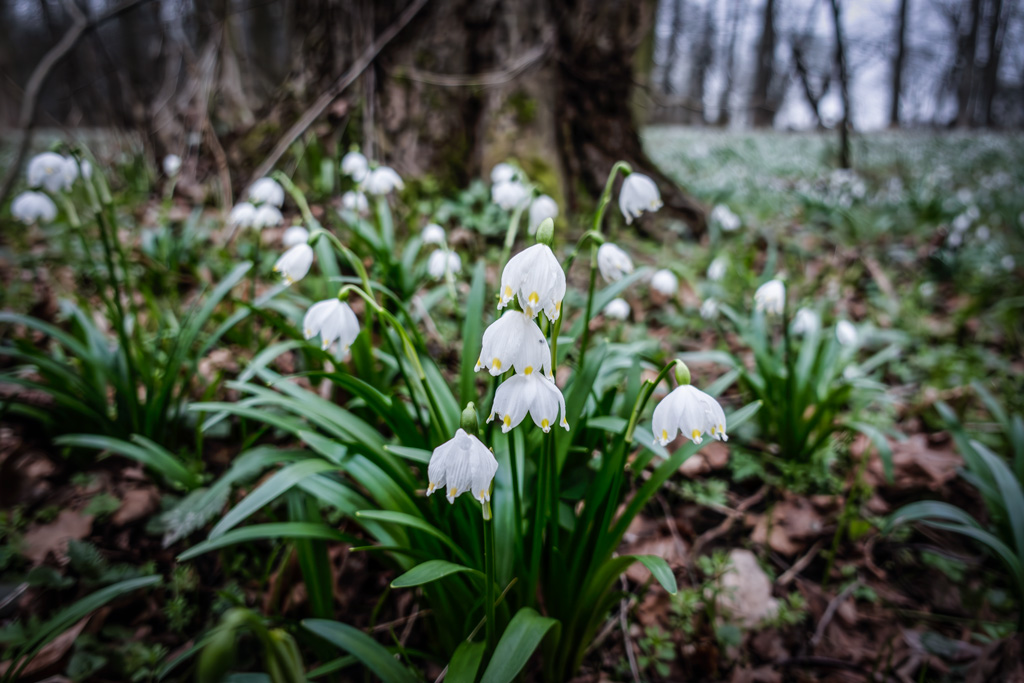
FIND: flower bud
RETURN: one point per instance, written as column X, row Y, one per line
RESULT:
column 682, row 373
column 546, row 231
column 470, row 421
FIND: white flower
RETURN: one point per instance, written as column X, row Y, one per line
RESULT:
column 334, row 321
column 709, row 309
column 805, row 321
column 542, row 207
column 638, row 194
column 432, row 234
column 617, row 309
column 295, row 235
column 984, row 233
column 725, row 218
column 665, row 282
column 689, row 410
column 613, row 262
column 86, row 169
column 462, row 464
column 534, row 394
column 172, row 164
column 355, row 166
column 536, row 277
column 243, row 215
column 267, row 216
column 32, row 207
column 381, row 181
column 442, row 262
column 355, row 201
column 509, row 194
column 770, row 297
column 266, row 191
column 49, row 170
column 503, row 173
column 294, row 263
column 514, row 341
column 1007, row 262
column 716, row 271
column 846, row 333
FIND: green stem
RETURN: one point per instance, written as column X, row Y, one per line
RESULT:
column 510, row 234
column 517, row 504
column 539, row 504
column 489, row 570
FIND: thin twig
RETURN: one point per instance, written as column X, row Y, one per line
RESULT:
column 388, row 625
column 726, row 525
column 495, row 77
column 801, row 564
column 830, row 612
column 624, row 623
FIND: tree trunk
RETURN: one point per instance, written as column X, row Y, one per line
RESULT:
column 699, row 64
column 844, row 88
column 897, row 66
column 730, row 59
column 990, row 75
column 764, row 112
column 673, row 46
column 965, row 63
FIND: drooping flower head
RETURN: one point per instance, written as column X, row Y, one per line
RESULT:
column 355, row 201
column 846, row 333
column 716, row 271
column 462, row 464
column 689, row 410
column 355, row 166
column 542, row 207
column 382, row 180
column 536, row 278
column 294, row 263
column 665, row 282
column 770, row 297
column 51, row 171
column 442, row 262
column 334, row 321
column 638, row 194
column 243, row 215
column 509, row 194
column 266, row 191
column 432, row 233
column 171, row 164
column 514, row 341
column 805, row 321
column 296, row 234
column 33, row 207
column 534, row 394
column 613, row 262
column 723, row 216
column 267, row 216
column 709, row 308
column 617, row 309
column 503, row 173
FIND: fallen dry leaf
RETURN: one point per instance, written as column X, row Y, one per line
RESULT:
column 41, row 540
column 916, row 464
column 51, row 653
column 790, row 526
column 136, row 504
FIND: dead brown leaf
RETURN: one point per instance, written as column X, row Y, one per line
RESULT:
column 917, row 464
column 51, row 653
column 135, row 505
column 41, row 540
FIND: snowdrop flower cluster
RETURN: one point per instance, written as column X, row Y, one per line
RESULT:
column 355, row 166
column 33, row 207
column 689, row 411
column 617, row 309
column 462, row 464
column 266, row 191
column 381, row 181
column 540, row 208
column 510, row 194
column 172, row 165
column 613, row 262
column 262, row 210
column 638, row 194
column 52, row 172
column 334, row 321
column 770, row 297
column 665, row 282
column 294, row 235
column 355, row 201
column 725, row 219
column 503, row 173
column 442, row 262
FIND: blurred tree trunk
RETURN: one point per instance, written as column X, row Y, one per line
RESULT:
column 699, row 64
column 844, row 88
column 764, row 112
column 990, row 75
column 897, row 65
column 724, row 113
column 676, row 28
column 967, row 53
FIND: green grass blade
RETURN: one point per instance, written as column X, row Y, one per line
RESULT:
column 429, row 571
column 518, row 643
column 372, row 654
column 273, row 531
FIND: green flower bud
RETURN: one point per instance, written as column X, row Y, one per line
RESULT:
column 470, row 421
column 682, row 373
column 218, row 656
column 283, row 661
column 546, row 232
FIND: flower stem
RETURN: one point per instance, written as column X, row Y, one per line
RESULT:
column 489, row 571
column 510, row 234
column 517, row 504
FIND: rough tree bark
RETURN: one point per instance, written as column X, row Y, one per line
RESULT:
column 763, row 111
column 897, row 65
column 844, row 88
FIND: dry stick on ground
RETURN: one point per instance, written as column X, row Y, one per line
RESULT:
column 830, row 612
column 801, row 564
column 27, row 115
column 726, row 525
column 324, row 101
column 624, row 622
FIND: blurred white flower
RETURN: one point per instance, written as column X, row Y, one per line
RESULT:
column 725, row 218
column 382, row 180
column 296, row 234
column 955, row 239
column 716, row 271
column 355, row 201
column 442, row 262
column 665, row 282
column 514, row 341
column 770, row 297
column 33, row 207
column 294, row 264
column 536, row 278
column 846, row 333
column 49, row 170
column 534, row 394
column 638, row 194
column 961, row 223
column 540, row 208
column 689, row 410
column 613, row 262
column 334, row 321
column 432, row 234
column 462, row 464
column 1008, row 263
column 503, row 173
column 926, row 289
column 617, row 309
column 509, row 194
column 86, row 167
column 983, row 233
column 243, row 215
column 172, row 164
column 355, row 166
column 805, row 321
column 266, row 191
column 267, row 216
column 709, row 309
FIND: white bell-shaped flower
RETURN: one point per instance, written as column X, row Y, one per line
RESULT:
column 617, row 309
column 382, row 180
column 243, row 215
column 267, row 216
column 503, row 173
column 334, row 321
column 71, row 172
column 462, row 464
column 296, row 234
column 33, row 207
column 665, row 282
column 723, row 216
column 442, row 262
column 540, row 208
column 432, row 233
column 294, row 263
column 355, row 201
column 805, row 321
column 846, row 333
column 49, row 170
column 266, row 191
column 770, row 297
column 514, row 341
column 716, row 271
column 638, row 194
column 510, row 194
column 536, row 277
column 613, row 262
column 171, row 164
column 709, row 309
column 534, row 394
column 689, row 410
column 355, row 166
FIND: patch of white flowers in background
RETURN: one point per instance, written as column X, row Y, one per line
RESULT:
column 503, row 173
column 725, row 219
column 709, row 309
column 613, row 262
column 33, row 207
column 442, row 262
column 433, row 233
column 535, row 277
column 355, row 201
column 665, row 282
column 462, row 464
column 770, row 297
column 243, row 215
column 638, row 194
column 266, row 191
column 514, row 341
column 689, row 411
column 355, row 166
column 846, row 333
column 334, row 321
column 294, row 264
column 540, row 208
column 510, row 194
column 805, row 321
column 296, row 234
column 51, row 171
column 716, row 271
column 171, row 164
column 617, row 309
column 533, row 394
column 381, row 181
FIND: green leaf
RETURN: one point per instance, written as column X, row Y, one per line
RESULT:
column 661, row 571
column 472, row 333
column 259, row 532
column 522, row 636
column 405, row 519
column 880, row 442
column 419, row 455
column 372, row 654
column 431, row 570
column 148, row 453
column 465, row 663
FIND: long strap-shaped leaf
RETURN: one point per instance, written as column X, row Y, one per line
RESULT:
column 518, row 643
column 371, row 653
